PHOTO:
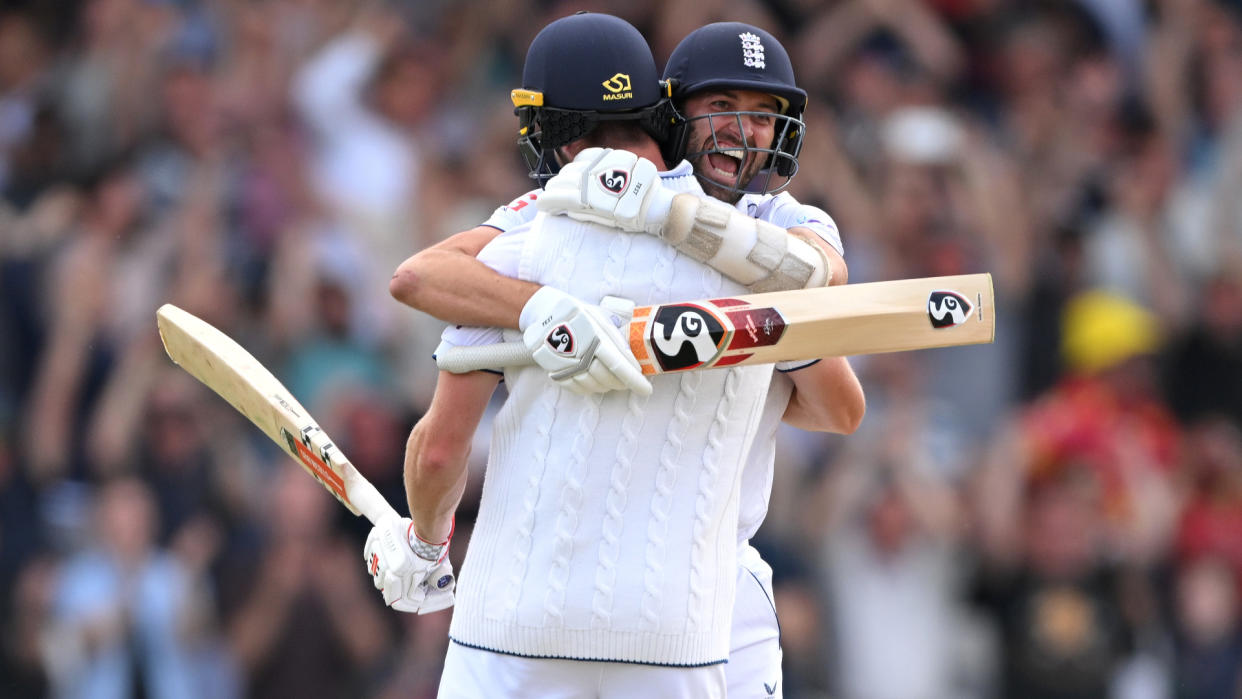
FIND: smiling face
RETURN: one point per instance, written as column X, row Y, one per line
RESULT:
column 730, row 132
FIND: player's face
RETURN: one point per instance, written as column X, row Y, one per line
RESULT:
column 754, row 130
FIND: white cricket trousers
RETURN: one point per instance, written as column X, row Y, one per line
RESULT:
column 754, row 668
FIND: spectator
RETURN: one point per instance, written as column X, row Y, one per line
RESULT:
column 126, row 615
column 1209, row 623
column 296, row 625
column 1211, row 478
column 1053, row 595
column 1107, row 417
column 1205, row 367
column 890, row 528
column 265, row 165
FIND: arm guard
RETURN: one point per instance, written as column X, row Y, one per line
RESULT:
column 759, row 255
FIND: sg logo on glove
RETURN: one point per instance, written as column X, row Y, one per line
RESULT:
column 561, row 340
column 614, row 180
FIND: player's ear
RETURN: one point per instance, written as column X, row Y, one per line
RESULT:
column 566, row 153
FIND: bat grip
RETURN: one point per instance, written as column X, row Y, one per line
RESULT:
column 460, row 360
column 368, row 500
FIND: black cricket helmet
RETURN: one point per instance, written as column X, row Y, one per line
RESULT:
column 581, row 70
column 738, row 56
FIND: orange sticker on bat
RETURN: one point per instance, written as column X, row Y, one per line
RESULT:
column 315, row 463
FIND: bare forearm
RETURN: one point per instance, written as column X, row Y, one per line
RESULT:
column 434, row 483
column 827, row 397
column 446, row 281
column 828, row 41
column 928, row 38
column 439, row 445
column 254, row 630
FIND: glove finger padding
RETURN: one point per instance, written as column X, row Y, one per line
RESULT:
column 437, row 588
column 572, row 340
column 625, row 370
column 611, row 187
column 564, row 192
column 617, row 312
column 586, row 384
column 408, row 582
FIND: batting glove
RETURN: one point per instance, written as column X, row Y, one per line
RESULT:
column 413, row 575
column 613, row 187
column 579, row 344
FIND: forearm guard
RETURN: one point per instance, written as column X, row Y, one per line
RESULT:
column 759, row 255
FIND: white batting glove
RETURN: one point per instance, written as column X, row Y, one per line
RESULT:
column 579, row 344
column 612, row 187
column 413, row 575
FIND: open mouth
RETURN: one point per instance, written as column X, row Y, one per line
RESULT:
column 726, row 163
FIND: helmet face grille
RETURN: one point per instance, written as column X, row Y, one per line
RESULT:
column 739, row 56
column 779, row 158
column 587, row 68
column 544, row 129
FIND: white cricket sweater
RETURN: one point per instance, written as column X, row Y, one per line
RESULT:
column 780, row 209
column 608, row 524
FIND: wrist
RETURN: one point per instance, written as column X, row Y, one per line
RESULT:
column 538, row 306
column 430, row 550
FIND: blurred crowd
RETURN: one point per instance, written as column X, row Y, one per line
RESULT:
column 1058, row 514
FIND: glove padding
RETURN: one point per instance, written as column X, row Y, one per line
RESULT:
column 579, row 344
column 409, row 582
column 613, row 187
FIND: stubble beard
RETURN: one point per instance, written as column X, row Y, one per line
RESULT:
column 713, row 188
column 748, row 169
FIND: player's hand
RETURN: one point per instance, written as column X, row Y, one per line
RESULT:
column 579, row 344
column 612, row 187
column 409, row 581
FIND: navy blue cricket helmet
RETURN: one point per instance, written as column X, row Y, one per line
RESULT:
column 739, row 56
column 581, row 70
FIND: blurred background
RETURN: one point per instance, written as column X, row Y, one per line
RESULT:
column 1055, row 515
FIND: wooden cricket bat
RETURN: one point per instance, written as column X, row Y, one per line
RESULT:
column 220, row 363
column 891, row 316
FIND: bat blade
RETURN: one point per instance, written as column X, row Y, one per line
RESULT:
column 228, row 369
column 870, row 318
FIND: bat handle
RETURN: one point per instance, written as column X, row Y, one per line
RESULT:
column 367, row 499
column 460, row 360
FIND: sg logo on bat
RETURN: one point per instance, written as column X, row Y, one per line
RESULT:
column 720, row 332
column 685, row 336
column 946, row 309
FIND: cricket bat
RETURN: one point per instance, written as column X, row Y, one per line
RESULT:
column 889, row 316
column 229, row 370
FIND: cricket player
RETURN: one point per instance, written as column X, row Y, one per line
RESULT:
column 736, row 84
column 604, row 558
